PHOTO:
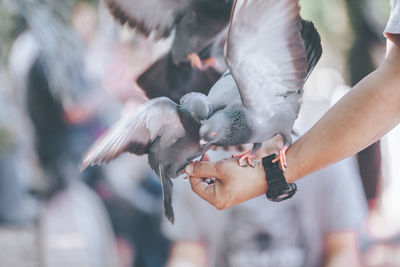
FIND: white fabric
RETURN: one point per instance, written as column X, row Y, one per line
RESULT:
column 393, row 25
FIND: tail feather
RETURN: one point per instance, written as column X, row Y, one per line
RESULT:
column 167, row 188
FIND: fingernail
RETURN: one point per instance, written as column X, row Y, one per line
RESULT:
column 189, row 168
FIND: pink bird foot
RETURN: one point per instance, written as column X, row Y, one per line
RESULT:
column 281, row 157
column 199, row 64
column 247, row 158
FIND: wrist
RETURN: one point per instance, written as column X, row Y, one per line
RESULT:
column 289, row 172
column 288, row 176
column 262, row 183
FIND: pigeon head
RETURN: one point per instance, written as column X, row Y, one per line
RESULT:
column 197, row 106
column 214, row 129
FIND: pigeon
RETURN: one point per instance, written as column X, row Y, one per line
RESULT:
column 166, row 131
column 270, row 53
column 196, row 23
column 164, row 78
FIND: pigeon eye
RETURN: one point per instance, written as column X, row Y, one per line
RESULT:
column 212, row 134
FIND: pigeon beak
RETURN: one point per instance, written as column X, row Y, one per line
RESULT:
column 201, row 121
column 203, row 142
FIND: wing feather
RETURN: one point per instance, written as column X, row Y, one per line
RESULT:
column 149, row 15
column 265, row 52
column 135, row 132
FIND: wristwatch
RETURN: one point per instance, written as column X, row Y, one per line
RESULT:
column 278, row 188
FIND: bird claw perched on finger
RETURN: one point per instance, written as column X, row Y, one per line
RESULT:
column 246, row 159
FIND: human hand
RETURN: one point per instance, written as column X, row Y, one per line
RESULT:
column 232, row 185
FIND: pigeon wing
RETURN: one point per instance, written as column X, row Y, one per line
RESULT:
column 135, row 132
column 159, row 16
column 312, row 44
column 265, row 52
column 224, row 92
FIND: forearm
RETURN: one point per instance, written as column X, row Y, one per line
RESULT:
column 360, row 118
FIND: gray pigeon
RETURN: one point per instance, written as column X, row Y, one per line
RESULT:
column 270, row 53
column 167, row 132
column 197, row 23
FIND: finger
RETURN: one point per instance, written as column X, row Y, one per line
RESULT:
column 204, row 157
column 202, row 169
column 202, row 189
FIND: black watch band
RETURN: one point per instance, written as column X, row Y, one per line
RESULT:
column 278, row 188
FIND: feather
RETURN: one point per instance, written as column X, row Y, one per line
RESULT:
column 134, row 133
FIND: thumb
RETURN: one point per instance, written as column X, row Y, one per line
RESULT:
column 202, row 169
column 202, row 189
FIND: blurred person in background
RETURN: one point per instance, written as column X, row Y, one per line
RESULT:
column 17, row 158
column 48, row 85
column 360, row 62
column 49, row 77
column 130, row 191
column 136, row 220
column 261, row 233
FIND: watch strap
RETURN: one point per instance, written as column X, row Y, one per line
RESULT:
column 278, row 188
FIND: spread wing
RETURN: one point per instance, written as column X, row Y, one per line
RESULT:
column 265, row 52
column 149, row 15
column 135, row 132
column 223, row 92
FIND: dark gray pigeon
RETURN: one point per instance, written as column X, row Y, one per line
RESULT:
column 197, row 23
column 164, row 78
column 270, row 53
column 167, row 132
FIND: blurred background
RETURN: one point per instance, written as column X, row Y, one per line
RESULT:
column 67, row 72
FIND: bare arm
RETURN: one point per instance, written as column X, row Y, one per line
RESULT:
column 361, row 117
